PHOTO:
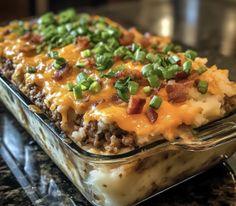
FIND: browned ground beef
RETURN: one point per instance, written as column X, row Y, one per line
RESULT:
column 111, row 139
column 6, row 67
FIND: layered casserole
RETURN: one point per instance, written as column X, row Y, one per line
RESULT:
column 113, row 90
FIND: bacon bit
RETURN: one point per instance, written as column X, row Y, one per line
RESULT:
column 196, row 82
column 6, row 32
column 176, row 93
column 146, row 40
column 60, row 73
column 127, row 38
column 36, row 39
column 26, row 36
column 135, row 105
column 28, row 49
column 90, row 62
column 194, row 75
column 151, row 115
column 116, row 99
column 121, row 74
column 156, row 90
column 117, row 58
column 137, row 76
column 82, row 42
column 181, row 75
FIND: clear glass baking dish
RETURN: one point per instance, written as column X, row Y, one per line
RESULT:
column 128, row 178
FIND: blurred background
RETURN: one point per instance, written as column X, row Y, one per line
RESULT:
column 206, row 25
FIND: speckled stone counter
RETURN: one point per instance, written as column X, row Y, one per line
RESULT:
column 29, row 177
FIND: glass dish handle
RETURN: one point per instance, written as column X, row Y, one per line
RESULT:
column 211, row 135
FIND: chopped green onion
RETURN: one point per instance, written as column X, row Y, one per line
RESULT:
column 168, row 48
column 95, row 87
column 134, row 47
column 154, row 81
column 86, row 53
column 169, row 72
column 187, row 67
column 84, row 84
column 80, row 64
column 173, row 59
column 67, row 16
column 151, row 57
column 191, row 54
column 177, row 48
column 158, row 69
column 112, row 72
column 47, row 19
column 147, row 89
column 155, row 102
column 133, row 87
column 53, row 54
column 147, row 70
column 31, row 69
column 139, row 55
column 201, row 70
column 121, row 51
column 59, row 63
column 70, row 86
column 81, row 76
column 123, row 95
column 202, row 86
column 77, row 92
column 61, row 29
column 104, row 61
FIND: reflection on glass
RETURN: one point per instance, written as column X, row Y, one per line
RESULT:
column 160, row 19
column 228, row 32
column 163, row 25
column 190, row 29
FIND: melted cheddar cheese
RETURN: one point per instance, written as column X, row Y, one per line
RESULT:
column 57, row 97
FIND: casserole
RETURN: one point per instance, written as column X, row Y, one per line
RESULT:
column 113, row 151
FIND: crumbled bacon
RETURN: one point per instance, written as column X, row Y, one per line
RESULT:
column 91, row 62
column 176, row 92
column 27, row 49
column 181, row 75
column 6, row 32
column 60, row 73
column 137, row 76
column 126, row 38
column 146, row 40
column 135, row 105
column 117, row 58
column 121, row 74
column 34, row 38
column 116, row 99
column 26, row 36
column 151, row 115
column 82, row 43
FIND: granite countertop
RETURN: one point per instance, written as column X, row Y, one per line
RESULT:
column 29, row 177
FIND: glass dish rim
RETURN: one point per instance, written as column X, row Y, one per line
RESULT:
column 75, row 148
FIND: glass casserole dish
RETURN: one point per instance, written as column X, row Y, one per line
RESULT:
column 122, row 179
column 134, row 174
